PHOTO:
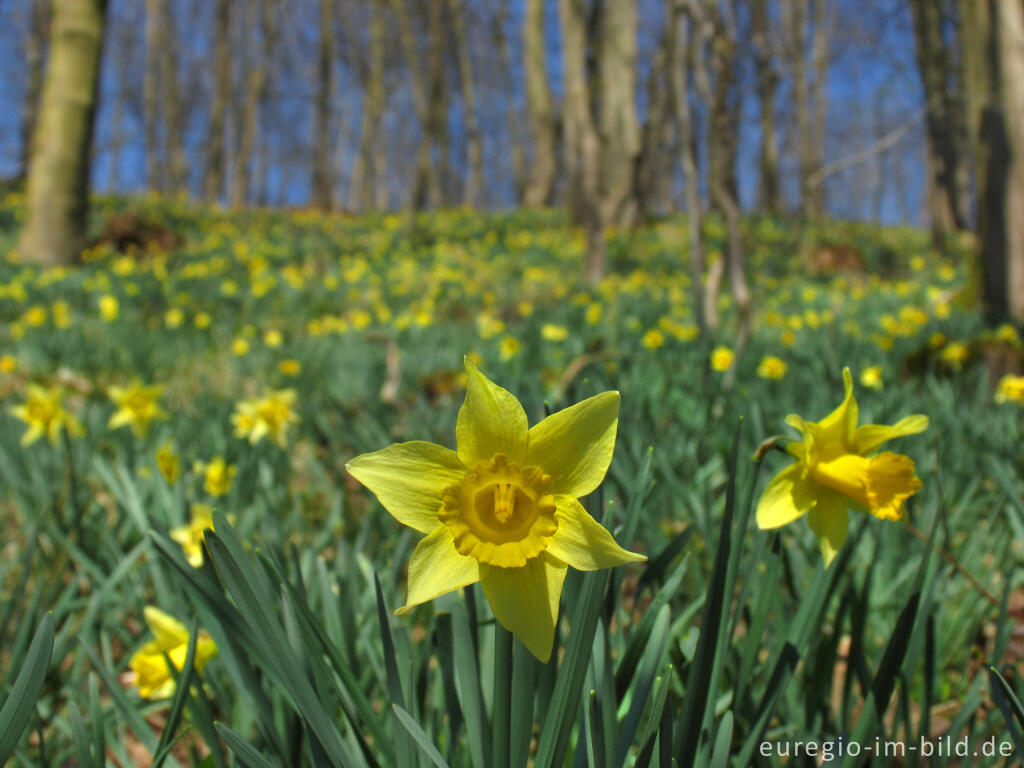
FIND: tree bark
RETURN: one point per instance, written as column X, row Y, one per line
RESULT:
column 423, row 174
column 151, row 82
column 474, row 148
column 819, row 60
column 540, row 112
column 176, row 169
column 516, row 154
column 437, row 106
column 582, row 143
column 795, row 12
column 943, row 119
column 213, row 182
column 322, row 184
column 769, row 197
column 58, row 178
column 34, row 43
column 365, row 171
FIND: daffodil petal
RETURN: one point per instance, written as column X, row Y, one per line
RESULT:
column 575, row 445
column 839, row 425
column 584, row 543
column 436, row 568
column 869, row 437
column 491, row 421
column 525, row 600
column 787, row 497
column 165, row 628
column 408, row 480
column 829, row 521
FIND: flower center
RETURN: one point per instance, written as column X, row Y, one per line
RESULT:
column 501, row 513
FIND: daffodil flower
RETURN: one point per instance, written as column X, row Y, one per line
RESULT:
column 502, row 509
column 44, row 413
column 153, row 677
column 137, row 406
column 836, row 469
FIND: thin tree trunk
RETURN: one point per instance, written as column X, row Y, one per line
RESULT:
column 365, row 171
column 176, row 171
column 516, row 155
column 423, row 170
column 261, row 151
column 322, row 109
column 151, row 82
column 255, row 88
column 474, row 147
column 213, row 183
column 58, row 177
column 819, row 60
column 796, row 28
column 540, row 112
column 437, row 105
column 679, row 72
column 619, row 129
column 769, row 198
column 1010, row 28
column 582, row 143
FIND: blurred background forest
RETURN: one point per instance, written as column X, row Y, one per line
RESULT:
column 894, row 111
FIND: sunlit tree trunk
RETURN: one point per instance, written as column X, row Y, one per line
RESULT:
column 213, row 183
column 151, row 92
column 322, row 109
column 796, row 43
column 474, row 148
column 619, row 129
column 769, row 198
column 819, row 62
column 365, row 171
column 540, row 112
column 176, row 172
column 58, row 175
column 437, row 105
column 517, row 157
column 423, row 171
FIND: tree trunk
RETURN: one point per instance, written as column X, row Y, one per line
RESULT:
column 582, row 143
column 151, row 82
column 769, row 198
column 942, row 119
column 796, row 31
column 993, row 45
column 255, row 93
column 213, row 183
column 365, row 172
column 35, row 41
column 58, row 178
column 437, row 106
column 516, row 154
column 474, row 148
column 819, row 60
column 619, row 130
column 423, row 173
column 322, row 109
column 679, row 72
column 540, row 113
column 176, row 169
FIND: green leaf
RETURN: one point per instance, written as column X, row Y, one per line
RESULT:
column 20, row 703
column 246, row 752
column 419, row 736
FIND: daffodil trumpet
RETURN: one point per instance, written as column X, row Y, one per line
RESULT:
column 836, row 468
column 503, row 508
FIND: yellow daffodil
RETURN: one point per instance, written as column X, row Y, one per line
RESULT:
column 168, row 462
column 267, row 416
column 954, row 354
column 836, row 469
column 290, row 367
column 653, row 339
column 552, row 332
column 503, row 508
column 1010, row 390
column 218, row 476
column 152, row 674
column 190, row 536
column 509, row 348
column 8, row 364
column 772, row 367
column 43, row 411
column 137, row 406
column 722, row 359
column 109, row 308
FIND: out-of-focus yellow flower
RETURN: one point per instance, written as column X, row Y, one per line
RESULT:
column 552, row 332
column 218, row 476
column 239, row 347
column 61, row 314
column 834, row 471
column 722, row 358
column 168, row 462
column 593, row 314
column 788, row 338
column 653, row 339
column 202, row 320
column 503, row 509
column 1008, row 334
column 290, row 367
column 273, row 338
column 267, row 416
column 954, row 354
column 772, row 367
column 871, row 377
column 1010, row 390
column 43, row 411
column 174, row 317
column 35, row 316
column 110, row 309
column 137, row 406
column 509, row 348
column 8, row 364
column 190, row 536
column 936, row 340
column 152, row 674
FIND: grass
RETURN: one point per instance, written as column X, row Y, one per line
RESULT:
column 727, row 637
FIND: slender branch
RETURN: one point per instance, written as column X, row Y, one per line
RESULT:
column 885, row 143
